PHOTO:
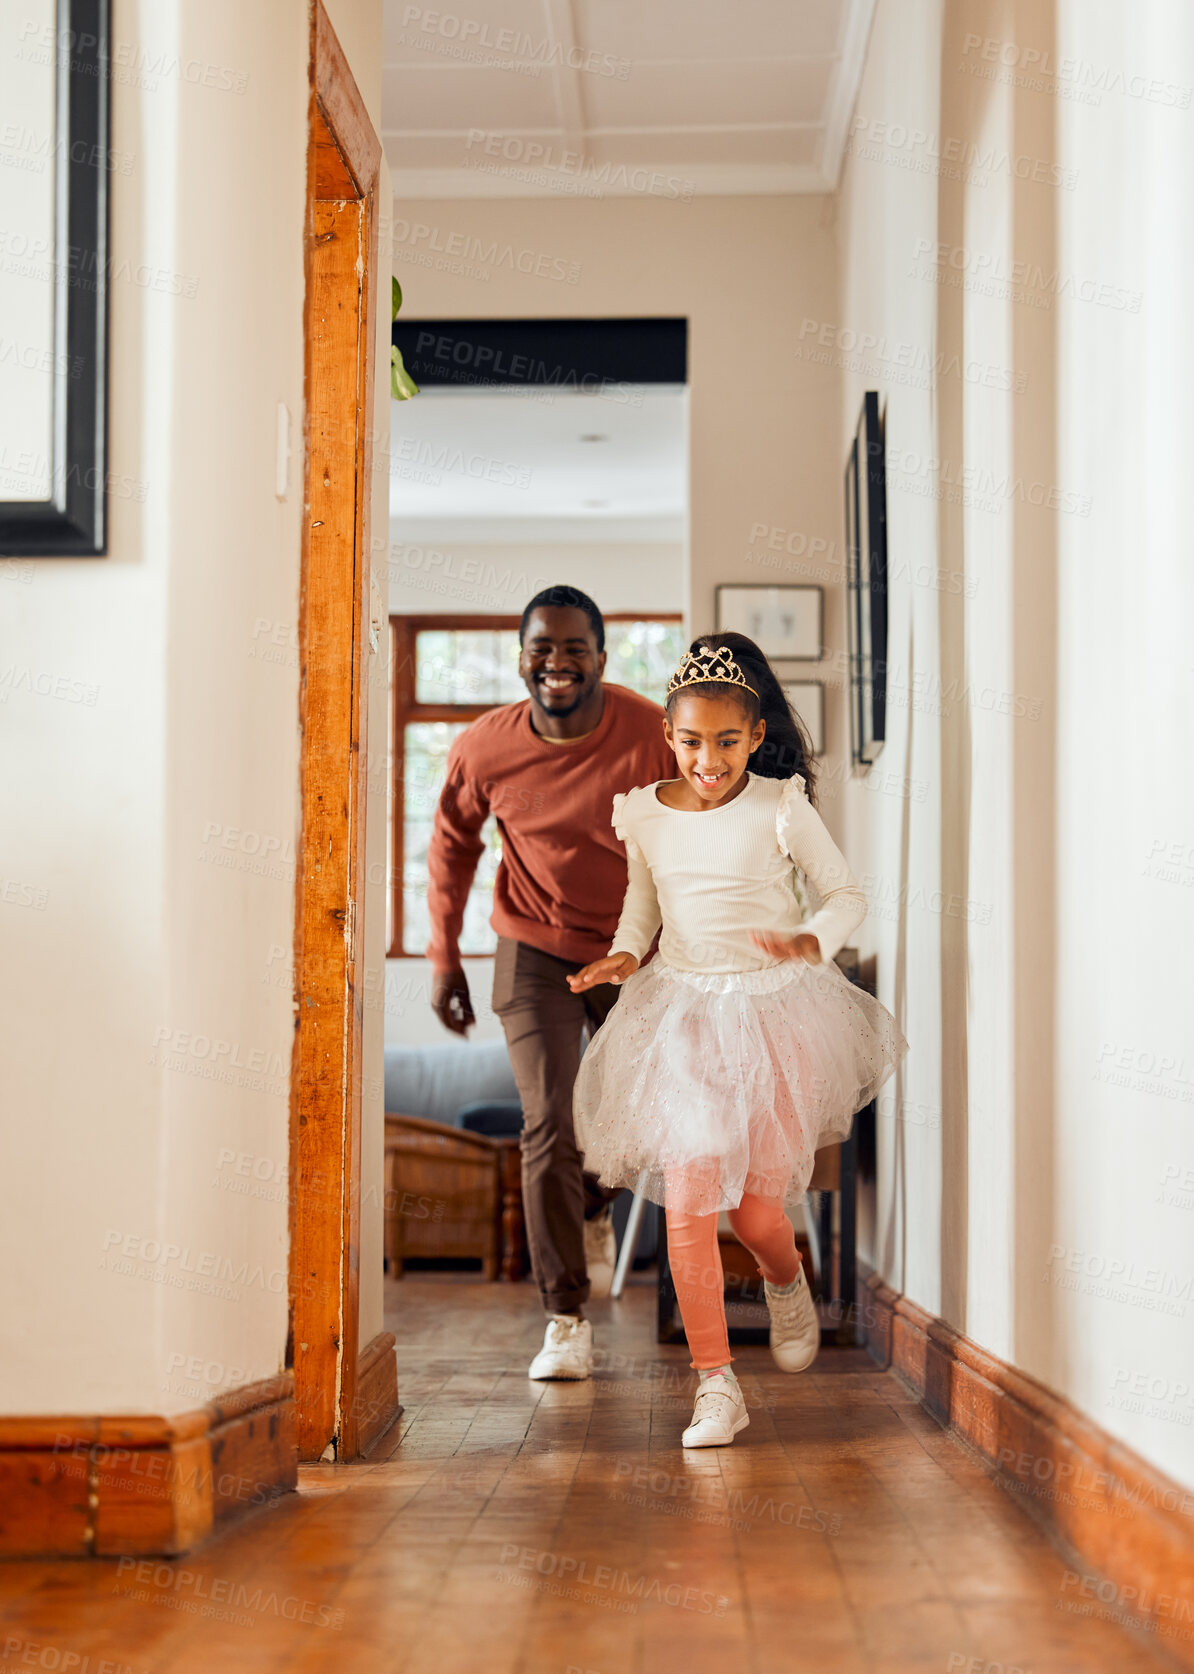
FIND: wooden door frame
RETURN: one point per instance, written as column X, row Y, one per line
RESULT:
column 343, row 1396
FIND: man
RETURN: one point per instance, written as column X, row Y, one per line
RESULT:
column 548, row 769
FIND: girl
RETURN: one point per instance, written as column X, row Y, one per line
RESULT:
column 740, row 1048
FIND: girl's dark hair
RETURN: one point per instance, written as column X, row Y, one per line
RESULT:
column 785, row 749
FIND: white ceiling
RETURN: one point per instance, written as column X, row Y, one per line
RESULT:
column 674, row 98
column 512, row 466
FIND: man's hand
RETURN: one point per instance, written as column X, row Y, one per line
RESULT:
column 450, row 1000
column 615, row 968
column 800, row 946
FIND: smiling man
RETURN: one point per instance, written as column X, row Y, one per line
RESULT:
column 548, row 770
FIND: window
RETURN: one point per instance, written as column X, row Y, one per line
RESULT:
column 447, row 670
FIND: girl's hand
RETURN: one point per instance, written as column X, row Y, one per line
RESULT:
column 802, row 945
column 615, row 968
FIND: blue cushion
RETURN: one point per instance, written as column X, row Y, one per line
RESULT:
column 437, row 1081
column 496, row 1118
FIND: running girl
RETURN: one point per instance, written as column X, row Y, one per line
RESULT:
column 740, row 1048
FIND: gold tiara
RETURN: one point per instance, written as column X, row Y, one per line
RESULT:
column 709, row 668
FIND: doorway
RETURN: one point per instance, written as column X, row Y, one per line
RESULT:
column 345, row 1392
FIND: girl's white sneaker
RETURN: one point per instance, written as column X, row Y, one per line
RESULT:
column 795, row 1328
column 719, row 1414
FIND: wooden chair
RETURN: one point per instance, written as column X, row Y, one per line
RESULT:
column 452, row 1194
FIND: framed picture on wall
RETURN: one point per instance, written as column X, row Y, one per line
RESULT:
column 866, row 582
column 807, row 698
column 53, row 393
column 782, row 621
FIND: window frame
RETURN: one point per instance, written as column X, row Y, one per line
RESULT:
column 404, row 709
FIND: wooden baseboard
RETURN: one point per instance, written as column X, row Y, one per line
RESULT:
column 1126, row 1529
column 377, row 1390
column 143, row 1486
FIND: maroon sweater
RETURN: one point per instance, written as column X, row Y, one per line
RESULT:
column 562, row 874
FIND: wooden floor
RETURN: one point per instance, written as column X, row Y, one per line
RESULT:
column 505, row 1527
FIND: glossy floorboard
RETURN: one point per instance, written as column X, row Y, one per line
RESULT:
column 504, row 1527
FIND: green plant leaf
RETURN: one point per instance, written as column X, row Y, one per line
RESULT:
column 395, row 297
column 402, row 385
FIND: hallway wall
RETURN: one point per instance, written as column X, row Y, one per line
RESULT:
column 1011, row 252
column 147, row 990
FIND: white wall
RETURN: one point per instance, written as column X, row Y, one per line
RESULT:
column 1041, row 682
column 452, row 578
column 138, row 813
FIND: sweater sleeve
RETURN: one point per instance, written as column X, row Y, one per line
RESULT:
column 456, row 846
column 640, row 908
column 802, row 836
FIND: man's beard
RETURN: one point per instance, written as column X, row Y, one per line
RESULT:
column 558, row 712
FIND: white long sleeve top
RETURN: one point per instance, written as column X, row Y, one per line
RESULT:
column 713, row 875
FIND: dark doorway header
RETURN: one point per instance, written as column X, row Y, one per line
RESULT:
column 580, row 355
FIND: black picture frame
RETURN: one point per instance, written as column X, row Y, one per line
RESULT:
column 72, row 521
column 866, row 577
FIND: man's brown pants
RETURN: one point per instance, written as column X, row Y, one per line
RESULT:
column 544, row 1020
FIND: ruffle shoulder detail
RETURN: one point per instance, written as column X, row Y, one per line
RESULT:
column 793, row 800
column 623, row 819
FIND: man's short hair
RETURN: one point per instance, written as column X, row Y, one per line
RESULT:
column 565, row 598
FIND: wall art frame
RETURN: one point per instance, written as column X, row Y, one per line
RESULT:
column 866, row 579
column 63, row 512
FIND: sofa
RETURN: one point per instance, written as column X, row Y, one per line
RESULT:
column 468, row 1087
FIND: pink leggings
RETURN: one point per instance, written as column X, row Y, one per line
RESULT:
column 760, row 1224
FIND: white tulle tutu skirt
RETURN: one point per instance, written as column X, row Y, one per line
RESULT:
column 724, row 1083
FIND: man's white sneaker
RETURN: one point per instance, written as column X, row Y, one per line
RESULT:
column 567, row 1350
column 719, row 1414
column 601, row 1254
column 795, row 1328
